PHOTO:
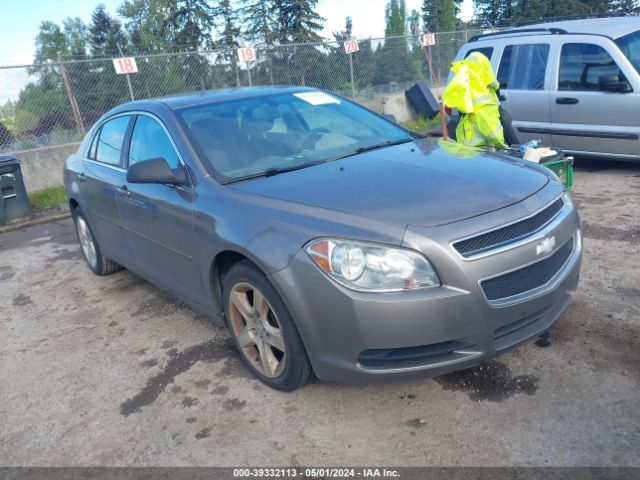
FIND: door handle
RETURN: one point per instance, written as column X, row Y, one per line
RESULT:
column 502, row 98
column 82, row 177
column 123, row 191
column 566, row 100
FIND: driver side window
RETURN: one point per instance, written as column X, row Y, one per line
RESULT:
column 149, row 140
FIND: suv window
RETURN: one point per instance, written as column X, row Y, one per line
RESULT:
column 523, row 67
column 109, row 140
column 486, row 51
column 149, row 140
column 582, row 63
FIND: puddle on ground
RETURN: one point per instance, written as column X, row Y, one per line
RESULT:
column 179, row 362
column 491, row 381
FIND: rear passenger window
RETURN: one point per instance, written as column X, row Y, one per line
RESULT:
column 110, row 139
column 582, row 63
column 486, row 51
column 523, row 67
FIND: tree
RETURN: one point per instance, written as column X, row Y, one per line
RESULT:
column 50, row 42
column 6, row 137
column 297, row 21
column 227, row 26
column 439, row 15
column 192, row 22
column 105, row 33
column 75, row 32
column 393, row 63
column 259, row 20
column 500, row 13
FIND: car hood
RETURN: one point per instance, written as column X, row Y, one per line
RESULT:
column 425, row 183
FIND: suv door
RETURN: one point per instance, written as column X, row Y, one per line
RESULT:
column 102, row 175
column 522, row 74
column 159, row 218
column 586, row 118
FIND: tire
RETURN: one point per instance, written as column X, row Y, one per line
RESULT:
column 262, row 329
column 96, row 261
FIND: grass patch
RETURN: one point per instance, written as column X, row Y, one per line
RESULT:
column 47, row 198
column 421, row 124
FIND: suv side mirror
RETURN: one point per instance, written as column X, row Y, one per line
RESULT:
column 156, row 170
column 612, row 83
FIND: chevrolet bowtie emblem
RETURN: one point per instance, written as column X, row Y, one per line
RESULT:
column 545, row 246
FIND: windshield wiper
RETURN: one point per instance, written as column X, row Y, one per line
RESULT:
column 270, row 172
column 375, row 146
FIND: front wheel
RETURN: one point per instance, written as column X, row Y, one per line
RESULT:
column 263, row 330
column 98, row 263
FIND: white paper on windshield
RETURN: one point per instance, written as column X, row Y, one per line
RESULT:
column 316, row 98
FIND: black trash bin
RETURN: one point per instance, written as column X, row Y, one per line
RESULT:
column 14, row 202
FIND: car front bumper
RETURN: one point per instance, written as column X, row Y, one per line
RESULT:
column 362, row 337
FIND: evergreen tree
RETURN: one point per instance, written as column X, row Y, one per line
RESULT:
column 626, row 7
column 259, row 21
column 297, row 21
column 439, row 15
column 191, row 21
column 105, row 34
column 227, row 26
column 501, row 13
column 393, row 63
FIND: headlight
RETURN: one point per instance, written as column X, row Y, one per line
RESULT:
column 371, row 267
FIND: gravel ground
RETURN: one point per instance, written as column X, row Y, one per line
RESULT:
column 112, row 371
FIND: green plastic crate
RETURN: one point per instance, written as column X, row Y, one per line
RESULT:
column 563, row 168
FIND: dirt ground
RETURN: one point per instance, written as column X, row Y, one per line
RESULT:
column 112, row 371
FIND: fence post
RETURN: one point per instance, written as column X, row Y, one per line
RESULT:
column 353, row 85
column 72, row 100
column 128, row 79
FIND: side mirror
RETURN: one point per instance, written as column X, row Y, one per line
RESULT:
column 612, row 83
column 156, row 170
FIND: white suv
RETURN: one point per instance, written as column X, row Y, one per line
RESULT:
column 573, row 84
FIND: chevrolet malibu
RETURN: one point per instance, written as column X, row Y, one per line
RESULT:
column 330, row 240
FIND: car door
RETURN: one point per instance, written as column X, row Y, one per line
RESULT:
column 522, row 74
column 586, row 118
column 159, row 218
column 103, row 174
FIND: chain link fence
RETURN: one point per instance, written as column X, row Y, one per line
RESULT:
column 57, row 102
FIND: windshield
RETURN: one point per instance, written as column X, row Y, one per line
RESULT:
column 630, row 46
column 264, row 135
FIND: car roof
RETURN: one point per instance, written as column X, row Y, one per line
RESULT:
column 204, row 97
column 614, row 27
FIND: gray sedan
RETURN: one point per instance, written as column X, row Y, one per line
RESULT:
column 331, row 241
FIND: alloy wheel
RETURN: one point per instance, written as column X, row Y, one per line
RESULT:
column 86, row 242
column 255, row 326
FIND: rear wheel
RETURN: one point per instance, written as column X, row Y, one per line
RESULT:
column 98, row 263
column 262, row 329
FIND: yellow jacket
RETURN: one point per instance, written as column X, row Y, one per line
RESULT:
column 472, row 91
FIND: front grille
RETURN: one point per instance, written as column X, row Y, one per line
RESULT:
column 510, row 233
column 413, row 356
column 527, row 278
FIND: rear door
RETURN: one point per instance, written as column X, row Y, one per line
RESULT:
column 159, row 218
column 523, row 76
column 103, row 174
column 584, row 117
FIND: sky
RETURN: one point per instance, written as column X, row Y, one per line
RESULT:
column 20, row 20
